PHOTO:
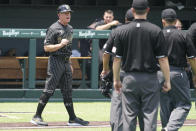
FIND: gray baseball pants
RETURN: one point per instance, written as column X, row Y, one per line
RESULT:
column 175, row 104
column 116, row 121
column 140, row 96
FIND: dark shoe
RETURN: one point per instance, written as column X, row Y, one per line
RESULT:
column 77, row 122
column 38, row 121
column 164, row 129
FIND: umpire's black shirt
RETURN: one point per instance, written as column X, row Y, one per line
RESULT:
column 192, row 33
column 110, row 42
column 139, row 44
column 179, row 46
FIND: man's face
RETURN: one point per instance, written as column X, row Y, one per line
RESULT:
column 178, row 25
column 108, row 18
column 65, row 17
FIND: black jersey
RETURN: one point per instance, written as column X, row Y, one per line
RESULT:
column 101, row 22
column 103, row 41
column 55, row 33
column 139, row 44
column 179, row 45
column 110, row 42
column 192, row 33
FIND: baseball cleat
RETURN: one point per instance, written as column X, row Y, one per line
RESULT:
column 77, row 122
column 38, row 121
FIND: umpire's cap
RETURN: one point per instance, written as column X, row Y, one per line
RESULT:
column 129, row 15
column 140, row 4
column 169, row 14
column 64, row 8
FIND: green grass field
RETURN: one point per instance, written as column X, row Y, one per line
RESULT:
column 55, row 111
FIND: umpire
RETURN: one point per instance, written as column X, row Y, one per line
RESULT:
column 138, row 45
column 175, row 104
column 192, row 33
column 116, row 101
column 58, row 43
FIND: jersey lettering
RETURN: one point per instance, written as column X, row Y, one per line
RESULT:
column 104, row 46
column 138, row 25
column 114, row 49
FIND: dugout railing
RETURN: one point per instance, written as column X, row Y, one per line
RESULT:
column 32, row 35
column 28, row 90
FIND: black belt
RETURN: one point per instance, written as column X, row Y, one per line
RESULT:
column 63, row 57
column 176, row 68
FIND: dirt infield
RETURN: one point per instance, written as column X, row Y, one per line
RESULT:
column 95, row 124
column 28, row 125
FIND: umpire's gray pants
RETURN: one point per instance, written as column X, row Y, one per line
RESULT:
column 140, row 94
column 116, row 121
column 116, row 108
column 175, row 104
column 116, row 111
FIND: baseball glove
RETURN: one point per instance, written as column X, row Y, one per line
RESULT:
column 106, row 84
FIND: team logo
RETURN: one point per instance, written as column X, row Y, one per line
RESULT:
column 114, row 49
column 60, row 36
column 59, row 39
column 61, row 32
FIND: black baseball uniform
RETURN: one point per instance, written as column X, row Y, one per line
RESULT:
column 58, row 42
column 116, row 99
column 192, row 33
column 59, row 71
column 139, row 44
column 175, row 104
column 103, row 41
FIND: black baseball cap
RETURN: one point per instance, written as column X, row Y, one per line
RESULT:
column 169, row 14
column 140, row 4
column 129, row 15
column 64, row 8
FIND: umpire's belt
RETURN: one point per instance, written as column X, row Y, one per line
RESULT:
column 176, row 68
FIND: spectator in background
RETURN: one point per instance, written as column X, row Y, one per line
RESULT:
column 107, row 23
column 178, row 24
column 85, row 46
column 85, row 50
column 11, row 52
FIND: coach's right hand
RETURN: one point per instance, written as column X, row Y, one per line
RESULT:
column 64, row 42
